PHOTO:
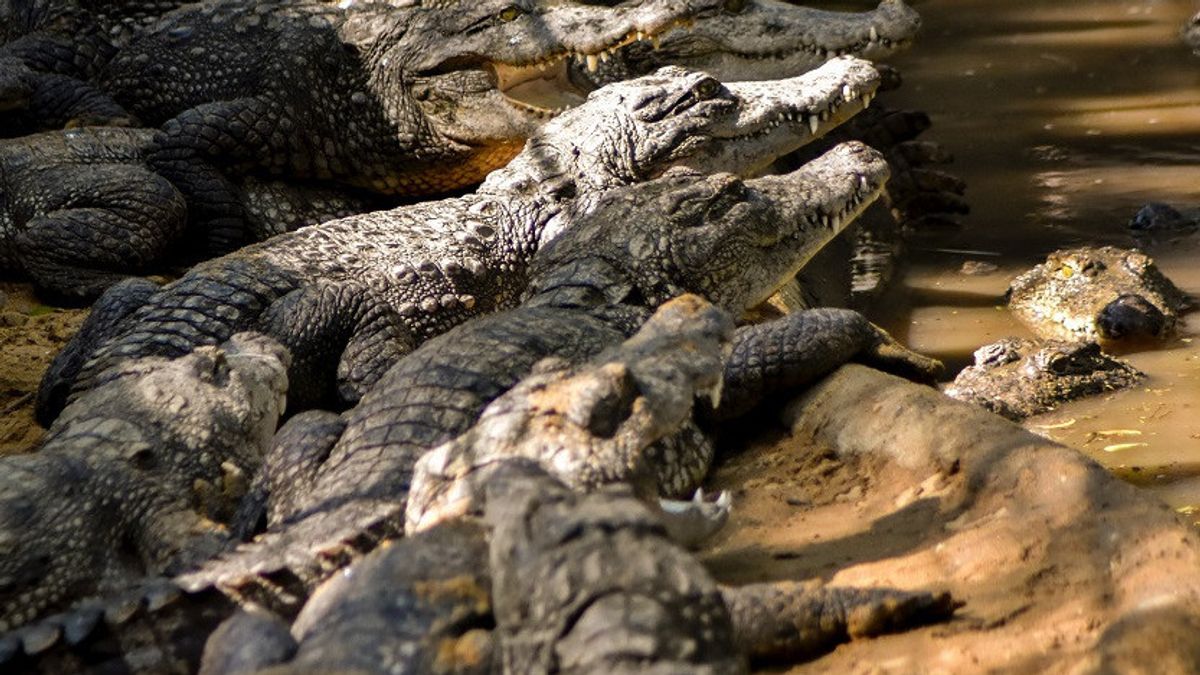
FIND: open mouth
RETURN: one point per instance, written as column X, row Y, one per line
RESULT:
column 546, row 87
column 867, row 43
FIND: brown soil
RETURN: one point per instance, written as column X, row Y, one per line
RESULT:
column 1061, row 567
column 30, row 335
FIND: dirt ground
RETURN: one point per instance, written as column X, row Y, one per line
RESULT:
column 30, row 335
column 1061, row 567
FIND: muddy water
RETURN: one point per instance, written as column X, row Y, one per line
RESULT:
column 1065, row 117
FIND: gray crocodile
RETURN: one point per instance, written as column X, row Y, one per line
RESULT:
column 761, row 39
column 426, row 602
column 331, row 478
column 374, row 99
column 118, row 491
column 566, row 582
column 1017, row 378
column 1103, row 294
column 592, row 291
column 356, row 293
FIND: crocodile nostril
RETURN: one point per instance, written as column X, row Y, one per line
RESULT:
column 1131, row 316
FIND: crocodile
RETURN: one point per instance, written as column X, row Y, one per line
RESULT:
column 767, row 39
column 359, row 292
column 323, row 522
column 761, row 39
column 1100, row 294
column 80, row 210
column 1018, row 378
column 330, row 478
column 566, row 582
column 51, row 53
column 118, row 489
column 397, row 100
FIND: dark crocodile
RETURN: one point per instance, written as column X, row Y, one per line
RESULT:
column 135, row 476
column 374, row 100
column 337, row 477
column 65, row 204
column 1104, row 294
column 51, row 53
column 356, row 293
column 1017, row 378
column 412, row 100
column 80, row 210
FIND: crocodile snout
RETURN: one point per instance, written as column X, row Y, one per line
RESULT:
column 1131, row 316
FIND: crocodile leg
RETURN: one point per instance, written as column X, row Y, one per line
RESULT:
column 290, row 468
column 802, row 347
column 125, row 218
column 342, row 326
column 792, row 621
column 107, row 316
column 186, row 152
column 32, row 101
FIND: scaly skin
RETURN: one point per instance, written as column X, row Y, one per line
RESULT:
column 58, row 49
column 396, row 100
column 1016, row 378
column 375, row 100
column 361, row 291
column 577, row 583
column 717, row 222
column 760, row 39
column 128, row 478
column 79, row 210
column 1097, row 294
column 592, row 287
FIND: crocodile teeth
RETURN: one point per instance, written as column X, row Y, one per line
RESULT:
column 714, row 394
column 813, row 123
column 656, row 41
column 847, row 92
column 593, row 62
column 866, row 100
column 874, row 34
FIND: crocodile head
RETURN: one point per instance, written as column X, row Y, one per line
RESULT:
column 761, row 39
column 1103, row 294
column 583, row 423
column 1017, row 377
column 487, row 73
column 730, row 240
column 106, row 499
column 629, row 132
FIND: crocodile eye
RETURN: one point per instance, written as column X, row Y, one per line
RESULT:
column 707, row 88
column 735, row 6
column 510, row 13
